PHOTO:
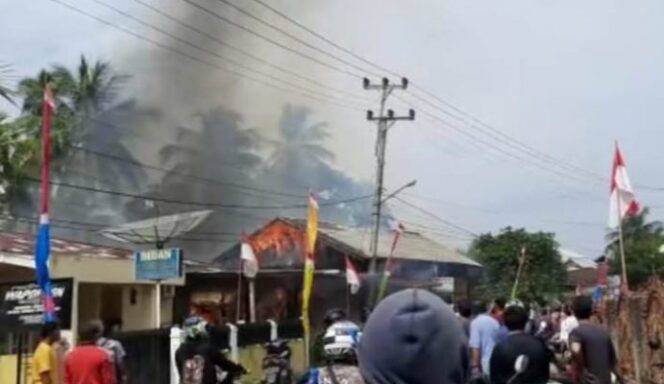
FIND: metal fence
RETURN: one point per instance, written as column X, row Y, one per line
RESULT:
column 148, row 356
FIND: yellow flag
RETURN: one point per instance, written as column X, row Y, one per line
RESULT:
column 309, row 266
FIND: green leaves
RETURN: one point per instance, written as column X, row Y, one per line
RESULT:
column 642, row 240
column 543, row 276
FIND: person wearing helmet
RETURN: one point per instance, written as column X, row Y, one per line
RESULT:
column 317, row 353
column 198, row 361
column 340, row 342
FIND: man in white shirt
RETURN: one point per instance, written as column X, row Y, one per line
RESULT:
column 568, row 325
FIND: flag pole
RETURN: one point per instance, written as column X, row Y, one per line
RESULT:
column 625, row 284
column 239, row 293
column 522, row 261
column 348, row 300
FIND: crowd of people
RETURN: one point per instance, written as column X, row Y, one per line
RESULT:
column 411, row 337
column 414, row 337
column 97, row 358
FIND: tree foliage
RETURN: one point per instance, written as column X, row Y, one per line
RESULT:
column 88, row 114
column 543, row 277
column 642, row 241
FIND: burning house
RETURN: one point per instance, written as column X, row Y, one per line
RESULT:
column 279, row 247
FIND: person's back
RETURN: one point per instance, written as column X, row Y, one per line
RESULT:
column 413, row 337
column 115, row 349
column 198, row 361
column 89, row 364
column 195, row 362
column 484, row 333
column 44, row 360
column 520, row 343
column 591, row 346
column 597, row 350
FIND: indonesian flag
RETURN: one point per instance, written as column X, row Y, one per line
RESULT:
column 352, row 278
column 623, row 202
column 249, row 261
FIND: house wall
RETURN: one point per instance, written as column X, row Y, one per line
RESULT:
column 136, row 314
column 98, row 270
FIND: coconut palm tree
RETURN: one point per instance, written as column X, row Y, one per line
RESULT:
column 642, row 240
column 89, row 115
column 300, row 140
column 210, row 161
column 91, row 89
column 5, row 92
column 301, row 162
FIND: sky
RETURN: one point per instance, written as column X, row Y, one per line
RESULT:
column 566, row 78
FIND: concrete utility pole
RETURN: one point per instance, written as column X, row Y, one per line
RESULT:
column 385, row 121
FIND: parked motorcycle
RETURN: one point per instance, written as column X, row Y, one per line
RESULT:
column 277, row 363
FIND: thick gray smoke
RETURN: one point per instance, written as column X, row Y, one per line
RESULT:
column 239, row 141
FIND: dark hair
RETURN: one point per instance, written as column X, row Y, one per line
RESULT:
column 90, row 332
column 500, row 303
column 516, row 318
column 478, row 308
column 48, row 329
column 583, row 307
column 108, row 327
column 464, row 309
column 567, row 310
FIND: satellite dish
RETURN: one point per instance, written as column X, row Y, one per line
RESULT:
column 157, row 230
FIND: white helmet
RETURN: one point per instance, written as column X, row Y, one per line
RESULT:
column 341, row 340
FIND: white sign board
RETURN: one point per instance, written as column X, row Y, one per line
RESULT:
column 445, row 284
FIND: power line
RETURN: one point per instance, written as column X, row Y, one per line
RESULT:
column 295, row 38
column 501, row 150
column 194, row 203
column 515, row 144
column 436, row 217
column 96, row 231
column 213, row 53
column 195, row 58
column 270, row 40
column 139, row 164
column 327, row 40
column 484, row 127
column 246, row 53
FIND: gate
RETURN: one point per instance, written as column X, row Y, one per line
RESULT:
column 148, row 359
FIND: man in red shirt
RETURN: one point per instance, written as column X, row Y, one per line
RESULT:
column 88, row 363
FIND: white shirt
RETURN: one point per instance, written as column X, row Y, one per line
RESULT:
column 567, row 326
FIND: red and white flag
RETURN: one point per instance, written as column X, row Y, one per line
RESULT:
column 248, row 258
column 623, row 201
column 352, row 277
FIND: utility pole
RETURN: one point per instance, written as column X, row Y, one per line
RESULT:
column 385, row 120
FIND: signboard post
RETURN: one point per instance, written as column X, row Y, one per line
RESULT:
column 157, row 265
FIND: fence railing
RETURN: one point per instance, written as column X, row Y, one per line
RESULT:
column 150, row 353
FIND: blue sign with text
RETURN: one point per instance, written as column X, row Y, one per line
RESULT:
column 158, row 264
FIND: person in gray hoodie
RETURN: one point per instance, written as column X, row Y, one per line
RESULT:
column 413, row 337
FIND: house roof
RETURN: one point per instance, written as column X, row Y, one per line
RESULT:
column 23, row 244
column 412, row 245
column 576, row 259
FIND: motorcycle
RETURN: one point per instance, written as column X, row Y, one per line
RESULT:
column 226, row 377
column 277, row 363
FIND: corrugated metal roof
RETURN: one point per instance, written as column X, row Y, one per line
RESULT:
column 578, row 259
column 412, row 245
column 24, row 244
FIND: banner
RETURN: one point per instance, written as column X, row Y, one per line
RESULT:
column 21, row 305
